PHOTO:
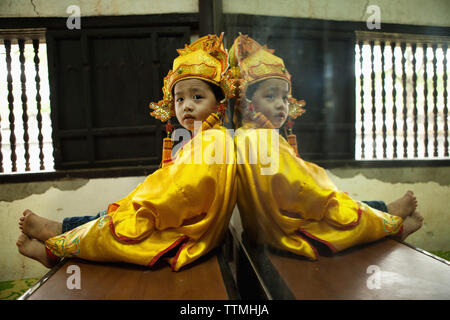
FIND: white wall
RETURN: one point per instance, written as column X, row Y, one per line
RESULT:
column 58, row 8
column 416, row 12
column 432, row 196
column 52, row 200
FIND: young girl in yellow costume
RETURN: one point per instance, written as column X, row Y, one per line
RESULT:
column 183, row 207
column 298, row 201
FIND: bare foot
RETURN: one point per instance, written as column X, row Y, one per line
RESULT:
column 404, row 206
column 411, row 224
column 37, row 227
column 34, row 249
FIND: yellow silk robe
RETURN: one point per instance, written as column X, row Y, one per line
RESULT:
column 296, row 201
column 186, row 205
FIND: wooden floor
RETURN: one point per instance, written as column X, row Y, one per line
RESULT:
column 203, row 280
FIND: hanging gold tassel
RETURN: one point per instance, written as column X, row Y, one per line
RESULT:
column 292, row 138
column 167, row 152
column 167, row 147
column 222, row 110
column 210, row 122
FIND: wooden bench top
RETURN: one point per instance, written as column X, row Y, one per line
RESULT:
column 384, row 270
column 205, row 279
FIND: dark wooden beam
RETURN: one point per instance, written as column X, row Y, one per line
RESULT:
column 173, row 19
column 210, row 16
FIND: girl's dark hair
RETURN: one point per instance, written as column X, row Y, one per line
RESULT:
column 218, row 93
column 251, row 90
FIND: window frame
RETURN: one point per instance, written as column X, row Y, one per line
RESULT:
column 58, row 25
column 335, row 30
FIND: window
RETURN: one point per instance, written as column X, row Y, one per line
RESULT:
column 26, row 138
column 79, row 100
column 401, row 97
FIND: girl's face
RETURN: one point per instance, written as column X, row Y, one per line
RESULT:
column 194, row 101
column 271, row 99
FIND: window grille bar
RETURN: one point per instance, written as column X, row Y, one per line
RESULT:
column 415, row 112
column 12, row 137
column 444, row 49
column 383, row 98
column 394, row 99
column 435, row 110
column 372, row 76
column 24, row 104
column 361, row 61
column 38, row 103
column 405, row 107
column 425, row 93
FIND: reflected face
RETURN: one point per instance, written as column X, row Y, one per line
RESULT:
column 271, row 99
column 194, row 101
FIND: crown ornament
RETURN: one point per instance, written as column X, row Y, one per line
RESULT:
column 251, row 62
column 205, row 59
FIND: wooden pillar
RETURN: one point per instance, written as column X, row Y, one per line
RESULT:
column 210, row 12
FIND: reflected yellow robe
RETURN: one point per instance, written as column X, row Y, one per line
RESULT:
column 185, row 206
column 296, row 201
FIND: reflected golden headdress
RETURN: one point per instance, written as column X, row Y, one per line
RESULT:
column 251, row 62
column 205, row 59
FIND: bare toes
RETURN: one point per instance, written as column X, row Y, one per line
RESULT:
column 26, row 211
column 418, row 216
column 22, row 239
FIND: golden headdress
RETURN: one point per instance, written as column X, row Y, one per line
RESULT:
column 205, row 59
column 251, row 62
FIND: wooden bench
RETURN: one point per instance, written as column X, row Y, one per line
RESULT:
column 384, row 270
column 209, row 278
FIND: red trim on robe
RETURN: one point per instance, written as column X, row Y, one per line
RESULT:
column 112, row 207
column 174, row 262
column 121, row 238
column 399, row 233
column 173, row 245
column 51, row 255
column 329, row 245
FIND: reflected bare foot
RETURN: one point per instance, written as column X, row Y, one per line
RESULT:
column 404, row 206
column 411, row 224
column 37, row 227
column 34, row 249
